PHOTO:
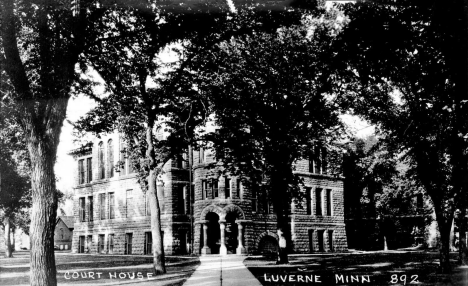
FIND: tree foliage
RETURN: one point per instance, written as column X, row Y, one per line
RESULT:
column 268, row 93
column 399, row 70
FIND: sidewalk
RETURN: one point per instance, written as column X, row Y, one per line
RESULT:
column 218, row 270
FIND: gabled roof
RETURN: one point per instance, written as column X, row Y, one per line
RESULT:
column 67, row 220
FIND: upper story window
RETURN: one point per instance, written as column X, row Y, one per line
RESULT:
column 215, row 185
column 81, row 172
column 82, row 208
column 89, row 170
column 329, row 203
column 129, row 203
column 111, row 205
column 101, row 168
column 318, row 202
column 110, row 157
column 102, row 206
column 254, row 200
column 308, row 200
column 201, row 155
column 90, row 208
column 318, row 161
column 61, row 233
column 227, row 187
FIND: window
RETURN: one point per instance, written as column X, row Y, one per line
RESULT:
column 61, row 233
column 128, row 243
column 148, row 243
column 329, row 203
column 311, row 240
column 318, row 202
column 111, row 205
column 330, row 240
column 82, row 212
column 81, row 244
column 89, row 170
column 101, row 168
column 90, row 208
column 309, row 200
column 81, row 172
column 90, row 243
column 265, row 203
column 204, row 190
column 110, row 157
column 324, row 161
column 201, row 155
column 128, row 203
column 254, row 200
column 239, row 188
column 180, row 199
column 185, row 199
column 111, row 243
column 317, row 163
column 101, row 243
column 227, row 187
column 320, row 234
column 102, row 206
column 214, row 192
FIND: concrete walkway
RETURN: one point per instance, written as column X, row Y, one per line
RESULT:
column 216, row 270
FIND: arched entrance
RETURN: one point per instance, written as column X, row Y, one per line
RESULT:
column 222, row 231
column 232, row 233
column 214, row 232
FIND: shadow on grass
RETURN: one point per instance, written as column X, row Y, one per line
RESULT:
column 397, row 268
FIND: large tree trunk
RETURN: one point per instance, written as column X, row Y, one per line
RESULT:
column 13, row 230
column 444, row 222
column 462, row 251
column 6, row 223
column 280, row 203
column 158, row 247
column 43, row 215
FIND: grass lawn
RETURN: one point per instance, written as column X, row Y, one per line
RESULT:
column 75, row 269
column 358, row 268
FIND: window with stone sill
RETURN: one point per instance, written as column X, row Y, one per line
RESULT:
column 101, row 168
column 110, row 157
column 81, row 172
column 89, row 170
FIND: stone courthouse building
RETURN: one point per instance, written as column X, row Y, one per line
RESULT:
column 202, row 212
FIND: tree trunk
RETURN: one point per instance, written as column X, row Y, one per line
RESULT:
column 158, row 247
column 444, row 222
column 6, row 223
column 44, row 213
column 13, row 230
column 280, row 204
column 159, row 262
column 462, row 251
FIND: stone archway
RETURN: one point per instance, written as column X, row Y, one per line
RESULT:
column 222, row 230
column 267, row 243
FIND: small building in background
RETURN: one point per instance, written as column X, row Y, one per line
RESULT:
column 64, row 232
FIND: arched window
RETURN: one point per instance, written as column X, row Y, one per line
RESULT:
column 110, row 157
column 101, row 168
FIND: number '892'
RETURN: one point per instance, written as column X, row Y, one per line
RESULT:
column 403, row 278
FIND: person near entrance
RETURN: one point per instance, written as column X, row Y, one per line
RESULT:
column 282, row 250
